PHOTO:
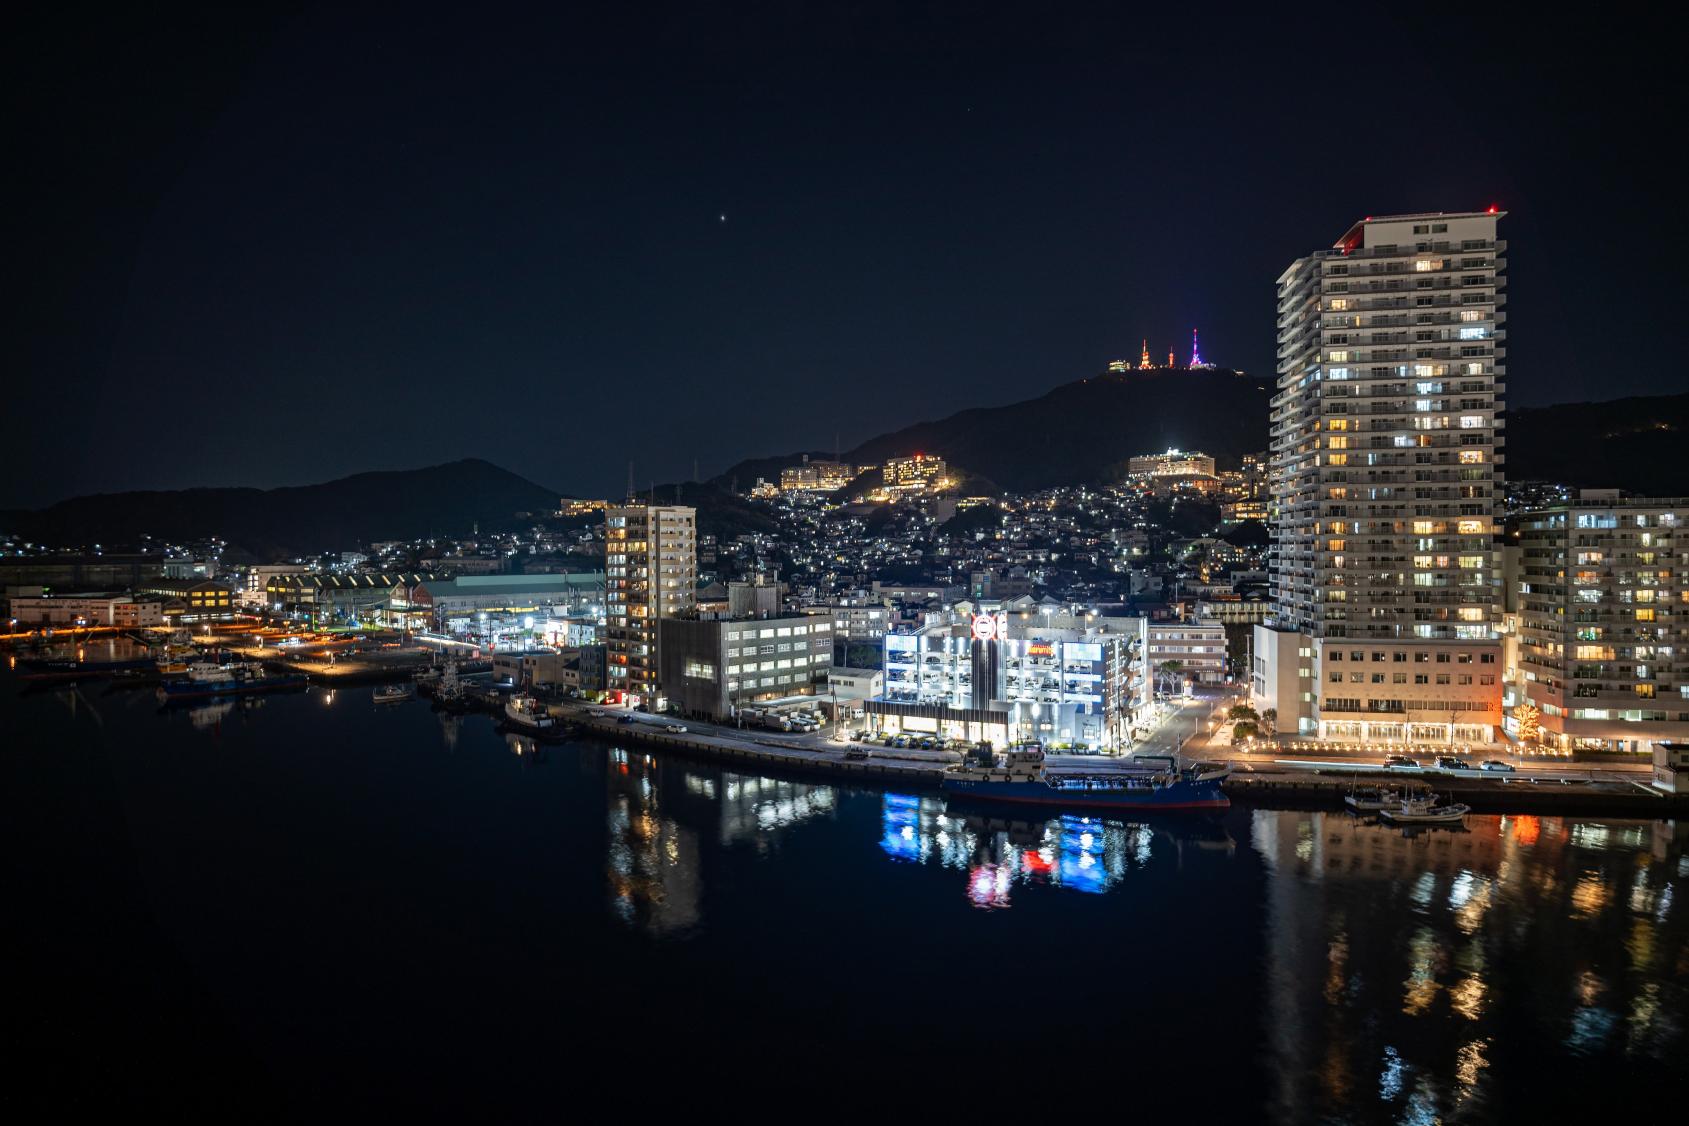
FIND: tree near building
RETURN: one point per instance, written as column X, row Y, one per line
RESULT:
column 1530, row 725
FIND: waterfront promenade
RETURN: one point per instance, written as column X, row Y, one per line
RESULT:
column 1275, row 783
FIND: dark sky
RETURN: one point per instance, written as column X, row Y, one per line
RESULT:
column 278, row 248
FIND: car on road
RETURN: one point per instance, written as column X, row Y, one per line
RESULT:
column 675, row 728
column 855, row 754
column 1401, row 762
column 1495, row 765
column 627, row 719
column 596, row 713
column 1448, row 762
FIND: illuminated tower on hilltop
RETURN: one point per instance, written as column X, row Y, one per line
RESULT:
column 1196, row 352
column 1143, row 358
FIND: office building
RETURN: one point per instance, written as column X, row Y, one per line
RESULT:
column 651, row 572
column 1002, row 678
column 191, row 600
column 1603, row 622
column 32, row 606
column 1385, row 472
column 712, row 667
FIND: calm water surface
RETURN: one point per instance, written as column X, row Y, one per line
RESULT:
column 311, row 906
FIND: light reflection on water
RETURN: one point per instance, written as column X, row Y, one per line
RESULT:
column 1356, row 972
column 1547, row 920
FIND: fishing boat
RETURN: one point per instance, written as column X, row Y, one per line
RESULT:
column 1374, row 799
column 204, row 680
column 393, row 693
column 1424, row 811
column 528, row 714
column 1019, row 775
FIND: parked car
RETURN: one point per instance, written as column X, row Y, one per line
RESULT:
column 1401, row 762
column 1496, row 765
column 675, row 728
column 1448, row 762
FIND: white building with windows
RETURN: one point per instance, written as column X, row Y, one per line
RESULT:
column 712, row 667
column 999, row 678
column 1603, row 621
column 1197, row 647
column 1386, row 473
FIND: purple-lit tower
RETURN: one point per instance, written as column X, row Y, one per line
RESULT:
column 1196, row 352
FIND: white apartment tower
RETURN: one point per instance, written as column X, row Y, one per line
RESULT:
column 651, row 572
column 1386, row 470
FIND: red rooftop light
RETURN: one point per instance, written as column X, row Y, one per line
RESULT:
column 1493, row 209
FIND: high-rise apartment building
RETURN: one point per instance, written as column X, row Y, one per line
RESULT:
column 651, row 572
column 1385, row 471
column 1603, row 609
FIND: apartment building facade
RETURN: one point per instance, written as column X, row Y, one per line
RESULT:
column 1603, row 621
column 1386, row 473
column 651, row 573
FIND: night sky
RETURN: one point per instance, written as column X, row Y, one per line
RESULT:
column 266, row 249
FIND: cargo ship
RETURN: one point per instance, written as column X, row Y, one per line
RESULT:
column 1153, row 783
column 204, row 680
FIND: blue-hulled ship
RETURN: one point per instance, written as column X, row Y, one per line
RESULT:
column 1019, row 775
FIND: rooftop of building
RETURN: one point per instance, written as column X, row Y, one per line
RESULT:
column 1360, row 225
column 506, row 584
column 308, row 580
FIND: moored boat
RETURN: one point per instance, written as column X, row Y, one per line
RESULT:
column 393, row 693
column 528, row 714
column 1019, row 775
column 204, row 679
column 1374, row 799
column 1424, row 811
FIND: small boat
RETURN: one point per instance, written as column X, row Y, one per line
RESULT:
column 205, row 680
column 1375, row 799
column 528, row 714
column 1423, row 811
column 393, row 693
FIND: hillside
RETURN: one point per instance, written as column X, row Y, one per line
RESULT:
column 277, row 523
column 1637, row 444
column 1078, row 432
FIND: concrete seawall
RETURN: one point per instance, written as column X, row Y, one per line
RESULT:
column 1269, row 791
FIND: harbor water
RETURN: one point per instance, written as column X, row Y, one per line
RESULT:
column 311, row 905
